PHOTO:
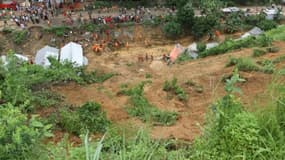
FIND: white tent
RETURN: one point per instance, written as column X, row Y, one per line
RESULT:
column 43, row 54
column 72, row 52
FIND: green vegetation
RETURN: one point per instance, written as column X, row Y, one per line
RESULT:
column 201, row 47
column 88, row 117
column 172, row 29
column 172, row 87
column 229, row 45
column 141, row 108
column 272, row 49
column 258, row 52
column 247, row 64
column 277, row 34
column 19, row 37
column 58, row 31
column 234, row 132
column 20, row 84
column 20, row 136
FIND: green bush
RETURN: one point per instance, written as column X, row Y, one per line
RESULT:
column 92, row 117
column 19, row 37
column 258, row 52
column 185, row 15
column 272, row 49
column 89, row 117
column 172, row 29
column 244, row 64
column 267, row 24
column 58, row 31
column 229, row 45
column 201, row 47
column 140, row 107
column 234, row 22
column 203, row 26
column 20, row 136
column 172, row 87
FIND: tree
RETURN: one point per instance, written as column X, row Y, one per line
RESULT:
column 185, row 15
column 172, row 29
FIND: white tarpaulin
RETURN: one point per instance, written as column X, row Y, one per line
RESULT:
column 270, row 13
column 20, row 57
column 72, row 52
column 43, row 54
column 253, row 32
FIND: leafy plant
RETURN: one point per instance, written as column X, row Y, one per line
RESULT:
column 171, row 86
column 20, row 135
column 258, row 52
column 229, row 45
column 140, row 107
column 19, row 37
column 88, row 117
column 172, row 29
column 201, row 47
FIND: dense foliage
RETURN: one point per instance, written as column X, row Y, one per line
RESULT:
column 88, row 117
column 20, row 137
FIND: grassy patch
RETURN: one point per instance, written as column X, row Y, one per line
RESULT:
column 141, row 108
column 258, row 52
column 89, row 117
column 247, row 65
column 173, row 88
column 277, row 34
column 19, row 37
column 229, row 45
column 58, row 31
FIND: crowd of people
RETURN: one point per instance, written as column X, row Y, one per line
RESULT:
column 27, row 15
column 45, row 14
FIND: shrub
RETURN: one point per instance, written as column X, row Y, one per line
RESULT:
column 201, row 47
column 244, row 64
column 58, row 31
column 229, row 45
column 89, row 117
column 233, row 23
column 272, row 49
column 185, row 15
column 92, row 117
column 203, row 26
column 258, row 52
column 267, row 24
column 20, row 136
column 172, row 87
column 140, row 107
column 172, row 29
column 19, row 36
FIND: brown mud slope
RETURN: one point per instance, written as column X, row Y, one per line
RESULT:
column 206, row 72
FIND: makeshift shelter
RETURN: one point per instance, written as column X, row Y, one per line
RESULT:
column 43, row 54
column 253, row 32
column 72, row 52
column 271, row 13
column 176, row 51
